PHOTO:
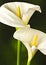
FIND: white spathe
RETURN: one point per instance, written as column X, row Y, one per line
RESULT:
column 8, row 13
column 27, row 34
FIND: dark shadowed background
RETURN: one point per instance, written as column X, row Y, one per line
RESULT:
column 8, row 45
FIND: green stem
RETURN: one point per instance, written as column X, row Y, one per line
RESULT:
column 28, row 62
column 18, row 52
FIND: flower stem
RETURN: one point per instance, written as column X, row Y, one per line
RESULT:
column 18, row 52
column 28, row 62
column 29, row 58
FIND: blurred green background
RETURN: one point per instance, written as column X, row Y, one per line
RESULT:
column 8, row 45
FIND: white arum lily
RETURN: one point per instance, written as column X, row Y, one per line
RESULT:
column 17, row 14
column 32, row 39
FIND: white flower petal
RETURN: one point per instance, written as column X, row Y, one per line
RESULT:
column 27, row 10
column 42, row 47
column 11, row 7
column 26, row 16
column 27, row 34
column 22, row 34
column 33, row 48
column 29, row 51
column 19, row 33
column 9, row 18
column 25, row 6
column 10, row 11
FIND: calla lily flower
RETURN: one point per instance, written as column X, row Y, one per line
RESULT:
column 17, row 14
column 32, row 39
